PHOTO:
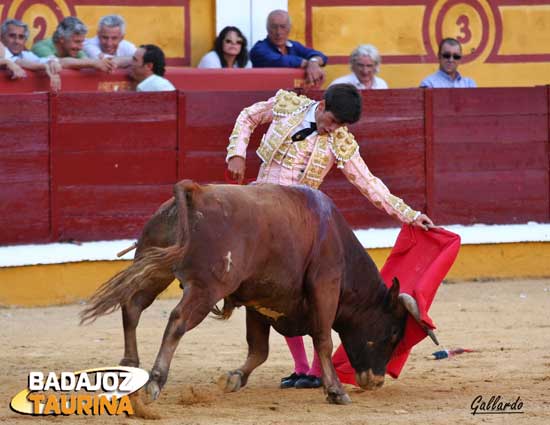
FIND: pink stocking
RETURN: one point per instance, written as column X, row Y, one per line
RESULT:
column 296, row 347
column 316, row 369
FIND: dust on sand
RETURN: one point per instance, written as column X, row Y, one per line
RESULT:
column 507, row 322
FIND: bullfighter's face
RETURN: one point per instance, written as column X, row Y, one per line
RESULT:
column 325, row 120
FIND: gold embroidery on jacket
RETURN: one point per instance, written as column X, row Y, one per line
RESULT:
column 343, row 146
column 278, row 142
column 289, row 103
column 399, row 205
column 318, row 162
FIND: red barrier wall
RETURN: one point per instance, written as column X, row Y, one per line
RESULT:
column 24, row 168
column 91, row 166
column 114, row 161
column 188, row 79
column 490, row 155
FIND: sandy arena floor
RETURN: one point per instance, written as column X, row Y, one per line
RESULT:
column 507, row 322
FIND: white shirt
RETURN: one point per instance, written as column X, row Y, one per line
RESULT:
column 308, row 119
column 93, row 49
column 155, row 83
column 212, row 60
column 25, row 54
column 377, row 83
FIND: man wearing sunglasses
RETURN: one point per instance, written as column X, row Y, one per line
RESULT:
column 450, row 55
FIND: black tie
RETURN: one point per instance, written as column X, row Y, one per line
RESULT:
column 302, row 134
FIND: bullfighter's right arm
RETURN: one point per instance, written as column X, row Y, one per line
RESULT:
column 247, row 121
column 346, row 151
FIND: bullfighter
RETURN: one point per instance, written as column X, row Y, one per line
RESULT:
column 305, row 139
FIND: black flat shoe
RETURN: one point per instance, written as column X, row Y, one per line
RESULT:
column 290, row 381
column 308, row 381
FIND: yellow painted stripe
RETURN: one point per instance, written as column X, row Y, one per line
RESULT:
column 59, row 283
column 485, row 75
column 160, row 25
column 526, row 29
column 203, row 28
column 393, row 30
column 73, row 282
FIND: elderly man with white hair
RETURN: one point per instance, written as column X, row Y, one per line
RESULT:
column 109, row 42
column 365, row 63
column 278, row 51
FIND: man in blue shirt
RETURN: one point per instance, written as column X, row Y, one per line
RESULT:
column 278, row 51
column 449, row 54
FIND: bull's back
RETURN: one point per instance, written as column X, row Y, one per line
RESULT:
column 268, row 231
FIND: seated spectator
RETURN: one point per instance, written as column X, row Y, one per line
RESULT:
column 449, row 54
column 230, row 51
column 278, row 51
column 14, row 35
column 109, row 42
column 66, row 45
column 365, row 63
column 148, row 69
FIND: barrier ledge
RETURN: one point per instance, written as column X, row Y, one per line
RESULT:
column 188, row 79
column 39, row 275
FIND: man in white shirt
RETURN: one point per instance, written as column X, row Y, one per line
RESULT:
column 14, row 35
column 148, row 69
column 109, row 42
column 365, row 63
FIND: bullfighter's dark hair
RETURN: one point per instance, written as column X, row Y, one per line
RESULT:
column 449, row 40
column 242, row 57
column 154, row 54
column 344, row 101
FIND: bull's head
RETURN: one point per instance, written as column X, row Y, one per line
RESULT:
column 370, row 347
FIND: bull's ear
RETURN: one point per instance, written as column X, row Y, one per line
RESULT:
column 394, row 294
column 395, row 304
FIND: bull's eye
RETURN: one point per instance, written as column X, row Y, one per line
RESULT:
column 395, row 336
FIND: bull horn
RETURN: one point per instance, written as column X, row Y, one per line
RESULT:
column 412, row 307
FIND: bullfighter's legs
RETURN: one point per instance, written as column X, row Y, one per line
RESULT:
column 316, row 368
column 196, row 303
column 298, row 351
column 301, row 365
column 303, row 376
column 131, row 313
column 257, row 337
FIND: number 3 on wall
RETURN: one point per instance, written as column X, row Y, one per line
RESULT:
column 463, row 23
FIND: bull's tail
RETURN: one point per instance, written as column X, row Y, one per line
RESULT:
column 226, row 311
column 120, row 288
column 151, row 263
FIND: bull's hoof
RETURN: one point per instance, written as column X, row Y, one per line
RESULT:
column 231, row 381
column 338, row 398
column 152, row 390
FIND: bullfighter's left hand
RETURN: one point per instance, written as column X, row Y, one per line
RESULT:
column 424, row 222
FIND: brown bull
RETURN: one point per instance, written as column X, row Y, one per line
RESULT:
column 285, row 253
